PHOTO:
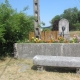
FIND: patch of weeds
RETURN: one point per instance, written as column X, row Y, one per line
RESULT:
column 2, row 58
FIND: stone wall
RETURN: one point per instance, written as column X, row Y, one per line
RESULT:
column 29, row 50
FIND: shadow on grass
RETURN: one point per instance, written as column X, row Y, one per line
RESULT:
column 34, row 67
column 2, row 58
column 60, row 69
column 57, row 69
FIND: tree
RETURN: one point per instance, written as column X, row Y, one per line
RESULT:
column 54, row 23
column 14, row 27
column 72, row 15
column 79, row 16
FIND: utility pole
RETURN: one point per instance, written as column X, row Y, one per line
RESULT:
column 37, row 20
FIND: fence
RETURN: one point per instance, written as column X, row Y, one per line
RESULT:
column 45, row 35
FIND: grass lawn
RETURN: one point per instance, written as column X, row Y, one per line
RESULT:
column 10, row 69
column 72, row 33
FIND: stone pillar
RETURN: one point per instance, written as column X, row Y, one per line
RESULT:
column 37, row 16
column 40, row 68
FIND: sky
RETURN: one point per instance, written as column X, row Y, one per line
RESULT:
column 48, row 8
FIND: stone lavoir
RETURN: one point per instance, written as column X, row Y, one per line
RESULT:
column 29, row 50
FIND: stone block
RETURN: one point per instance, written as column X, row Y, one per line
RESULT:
column 29, row 50
column 57, row 61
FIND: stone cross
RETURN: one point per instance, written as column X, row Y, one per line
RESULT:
column 64, row 28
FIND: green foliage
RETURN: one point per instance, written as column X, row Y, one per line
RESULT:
column 57, row 17
column 77, row 26
column 54, row 22
column 41, row 24
column 76, row 39
column 14, row 27
column 46, row 29
column 72, row 15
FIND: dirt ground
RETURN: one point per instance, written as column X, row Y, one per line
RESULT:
column 13, row 69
